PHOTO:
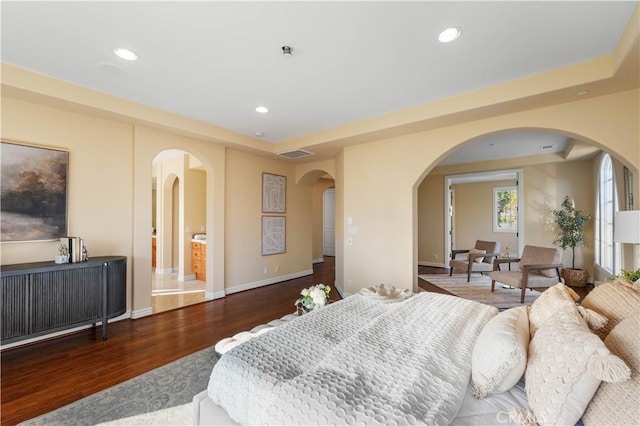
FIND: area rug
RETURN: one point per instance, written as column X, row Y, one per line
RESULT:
column 160, row 397
column 479, row 289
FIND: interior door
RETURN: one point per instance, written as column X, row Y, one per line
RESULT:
column 329, row 222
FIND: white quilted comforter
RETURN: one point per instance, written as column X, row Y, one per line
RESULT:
column 361, row 360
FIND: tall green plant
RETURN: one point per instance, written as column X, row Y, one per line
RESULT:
column 570, row 223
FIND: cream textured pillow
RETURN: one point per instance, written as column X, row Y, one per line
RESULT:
column 566, row 361
column 500, row 353
column 616, row 301
column 619, row 403
column 549, row 303
column 476, row 251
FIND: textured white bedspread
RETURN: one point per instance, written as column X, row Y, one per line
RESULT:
column 358, row 360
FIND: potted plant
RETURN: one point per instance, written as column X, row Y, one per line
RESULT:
column 570, row 223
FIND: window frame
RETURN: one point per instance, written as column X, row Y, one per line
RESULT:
column 608, row 254
column 495, row 214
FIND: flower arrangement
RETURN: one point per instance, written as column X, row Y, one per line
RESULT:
column 313, row 297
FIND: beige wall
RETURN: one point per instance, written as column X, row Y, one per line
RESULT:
column 381, row 178
column 545, row 187
column 473, row 215
column 245, row 264
column 317, row 206
column 431, row 223
column 100, row 188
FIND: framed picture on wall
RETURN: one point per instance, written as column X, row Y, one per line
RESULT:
column 273, row 235
column 274, row 193
column 33, row 199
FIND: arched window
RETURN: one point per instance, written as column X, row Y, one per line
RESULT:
column 607, row 252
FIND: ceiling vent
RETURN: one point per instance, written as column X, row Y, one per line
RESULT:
column 296, row 153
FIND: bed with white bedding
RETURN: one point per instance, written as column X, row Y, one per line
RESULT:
column 379, row 360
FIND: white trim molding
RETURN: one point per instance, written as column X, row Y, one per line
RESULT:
column 214, row 295
column 432, row 264
column 269, row 281
column 318, row 260
column 142, row 313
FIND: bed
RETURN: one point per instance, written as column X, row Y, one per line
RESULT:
column 389, row 357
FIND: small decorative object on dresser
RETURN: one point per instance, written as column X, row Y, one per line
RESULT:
column 312, row 298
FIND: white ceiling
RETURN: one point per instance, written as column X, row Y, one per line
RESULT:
column 217, row 61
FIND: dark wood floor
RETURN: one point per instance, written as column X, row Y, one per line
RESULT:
column 43, row 376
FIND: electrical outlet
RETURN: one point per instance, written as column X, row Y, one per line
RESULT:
column 349, row 241
column 277, row 268
column 435, row 256
column 265, row 270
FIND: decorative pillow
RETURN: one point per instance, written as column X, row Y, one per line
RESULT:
column 616, row 301
column 619, row 404
column 476, row 251
column 500, row 353
column 553, row 300
column 566, row 361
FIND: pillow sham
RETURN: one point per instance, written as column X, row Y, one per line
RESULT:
column 615, row 300
column 619, row 403
column 566, row 360
column 500, row 354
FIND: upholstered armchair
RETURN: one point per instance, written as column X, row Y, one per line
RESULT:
column 538, row 267
column 477, row 259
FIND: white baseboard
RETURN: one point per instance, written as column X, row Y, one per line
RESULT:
column 214, row 295
column 167, row 271
column 256, row 284
column 433, row 264
column 340, row 291
column 187, row 278
column 142, row 313
column 126, row 315
column 318, row 260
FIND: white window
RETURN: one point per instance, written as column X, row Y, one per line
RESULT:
column 607, row 252
column 505, row 209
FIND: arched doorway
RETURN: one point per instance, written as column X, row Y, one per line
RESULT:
column 549, row 166
column 322, row 182
column 179, row 228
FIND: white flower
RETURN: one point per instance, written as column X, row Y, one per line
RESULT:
column 314, row 297
column 319, row 297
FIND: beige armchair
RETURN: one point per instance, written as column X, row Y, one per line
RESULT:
column 538, row 267
column 478, row 259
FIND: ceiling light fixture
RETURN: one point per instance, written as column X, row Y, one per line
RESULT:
column 126, row 54
column 582, row 93
column 259, row 134
column 449, row 35
column 262, row 109
column 287, row 51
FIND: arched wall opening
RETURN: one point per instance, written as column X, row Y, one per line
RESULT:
column 148, row 144
column 324, row 216
column 544, row 181
column 179, row 219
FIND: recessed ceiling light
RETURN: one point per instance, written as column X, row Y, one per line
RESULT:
column 449, row 35
column 126, row 54
column 582, row 93
column 262, row 109
column 259, row 134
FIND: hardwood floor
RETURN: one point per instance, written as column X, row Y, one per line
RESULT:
column 41, row 377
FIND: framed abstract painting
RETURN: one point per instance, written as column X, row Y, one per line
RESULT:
column 33, row 198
